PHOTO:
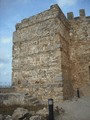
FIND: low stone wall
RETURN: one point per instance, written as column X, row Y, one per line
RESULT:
column 17, row 99
column 11, row 98
column 7, row 89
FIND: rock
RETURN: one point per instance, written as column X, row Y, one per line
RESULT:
column 44, row 113
column 35, row 118
column 8, row 117
column 4, row 117
column 25, row 117
column 20, row 114
column 1, row 117
column 32, row 113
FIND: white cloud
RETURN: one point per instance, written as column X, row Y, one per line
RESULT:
column 66, row 2
column 6, row 40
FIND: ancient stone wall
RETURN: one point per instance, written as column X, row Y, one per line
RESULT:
column 65, row 64
column 51, row 54
column 7, row 90
column 80, row 50
column 39, row 43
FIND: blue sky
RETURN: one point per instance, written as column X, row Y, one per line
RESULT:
column 13, row 11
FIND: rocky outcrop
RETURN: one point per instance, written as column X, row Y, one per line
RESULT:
column 24, row 114
column 19, row 113
column 35, row 118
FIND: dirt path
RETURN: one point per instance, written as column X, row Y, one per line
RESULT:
column 76, row 109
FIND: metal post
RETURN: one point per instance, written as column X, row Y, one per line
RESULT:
column 78, row 93
column 50, row 106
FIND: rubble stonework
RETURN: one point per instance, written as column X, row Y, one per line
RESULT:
column 80, row 50
column 51, row 54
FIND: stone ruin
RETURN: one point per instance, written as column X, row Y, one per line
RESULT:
column 51, row 55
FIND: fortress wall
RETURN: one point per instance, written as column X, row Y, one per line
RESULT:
column 65, row 63
column 37, row 66
column 51, row 54
column 51, row 57
column 80, row 51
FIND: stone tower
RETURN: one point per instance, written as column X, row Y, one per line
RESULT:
column 47, row 54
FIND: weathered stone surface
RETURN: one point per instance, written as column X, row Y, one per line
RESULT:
column 8, row 117
column 11, row 98
column 1, row 116
column 5, row 117
column 80, row 52
column 43, row 112
column 35, row 118
column 37, row 54
column 51, row 55
column 7, row 89
column 18, row 99
column 19, row 113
